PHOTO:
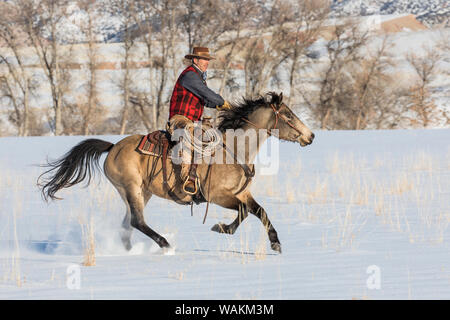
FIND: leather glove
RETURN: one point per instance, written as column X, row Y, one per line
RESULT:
column 226, row 106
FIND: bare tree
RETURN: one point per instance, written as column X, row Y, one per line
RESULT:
column 40, row 21
column 266, row 51
column 306, row 27
column 124, row 83
column 444, row 47
column 334, row 95
column 17, row 84
column 371, row 80
column 359, row 88
column 238, row 16
column 158, row 26
column 144, row 16
column 203, row 21
column 91, row 110
column 421, row 101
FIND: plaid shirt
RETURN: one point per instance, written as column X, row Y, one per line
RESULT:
column 185, row 102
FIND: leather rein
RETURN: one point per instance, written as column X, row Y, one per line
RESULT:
column 278, row 115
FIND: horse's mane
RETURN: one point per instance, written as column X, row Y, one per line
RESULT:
column 233, row 118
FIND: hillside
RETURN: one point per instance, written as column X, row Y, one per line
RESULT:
column 108, row 22
column 433, row 13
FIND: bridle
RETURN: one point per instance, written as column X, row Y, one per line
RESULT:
column 278, row 115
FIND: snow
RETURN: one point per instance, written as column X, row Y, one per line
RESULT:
column 350, row 203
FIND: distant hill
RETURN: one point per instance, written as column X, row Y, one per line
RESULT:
column 430, row 12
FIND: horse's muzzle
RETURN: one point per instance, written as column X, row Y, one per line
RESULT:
column 305, row 141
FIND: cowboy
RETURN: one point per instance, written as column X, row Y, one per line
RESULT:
column 190, row 96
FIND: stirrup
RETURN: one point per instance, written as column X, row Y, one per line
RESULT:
column 195, row 186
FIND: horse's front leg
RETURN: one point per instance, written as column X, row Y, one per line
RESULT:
column 231, row 228
column 259, row 212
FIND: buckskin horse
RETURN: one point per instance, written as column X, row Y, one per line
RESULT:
column 137, row 176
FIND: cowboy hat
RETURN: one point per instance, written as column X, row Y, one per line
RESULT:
column 199, row 52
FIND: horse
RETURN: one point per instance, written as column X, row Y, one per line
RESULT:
column 137, row 177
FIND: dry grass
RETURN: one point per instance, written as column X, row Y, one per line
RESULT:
column 15, row 260
column 261, row 246
column 402, row 198
column 419, row 162
column 179, row 275
column 87, row 231
column 401, row 184
column 290, row 196
column 319, row 193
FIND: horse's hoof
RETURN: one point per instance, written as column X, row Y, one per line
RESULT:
column 220, row 228
column 276, row 246
column 163, row 243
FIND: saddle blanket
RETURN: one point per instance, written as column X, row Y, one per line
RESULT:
column 154, row 143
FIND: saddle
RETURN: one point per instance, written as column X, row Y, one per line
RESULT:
column 158, row 144
column 155, row 144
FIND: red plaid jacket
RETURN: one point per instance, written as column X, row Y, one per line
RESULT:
column 185, row 102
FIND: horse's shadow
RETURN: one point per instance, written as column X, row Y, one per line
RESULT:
column 51, row 247
column 236, row 252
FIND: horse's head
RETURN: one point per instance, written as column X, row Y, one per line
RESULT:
column 268, row 112
column 279, row 116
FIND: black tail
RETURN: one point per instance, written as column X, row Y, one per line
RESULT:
column 73, row 167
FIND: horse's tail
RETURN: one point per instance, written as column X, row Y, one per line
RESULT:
column 73, row 167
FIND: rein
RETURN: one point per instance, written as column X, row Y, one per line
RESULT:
column 278, row 115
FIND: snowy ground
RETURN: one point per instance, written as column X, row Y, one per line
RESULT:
column 360, row 215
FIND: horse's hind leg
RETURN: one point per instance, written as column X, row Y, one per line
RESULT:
column 126, row 223
column 125, row 235
column 136, row 202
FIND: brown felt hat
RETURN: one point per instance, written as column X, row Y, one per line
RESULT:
column 199, row 52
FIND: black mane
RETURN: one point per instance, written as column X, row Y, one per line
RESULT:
column 233, row 118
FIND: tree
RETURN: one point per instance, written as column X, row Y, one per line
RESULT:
column 40, row 20
column 158, row 25
column 238, row 16
column 144, row 16
column 91, row 109
column 370, row 83
column 421, row 101
column 16, row 83
column 128, row 40
column 331, row 103
column 266, row 49
column 305, row 28
column 202, row 21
